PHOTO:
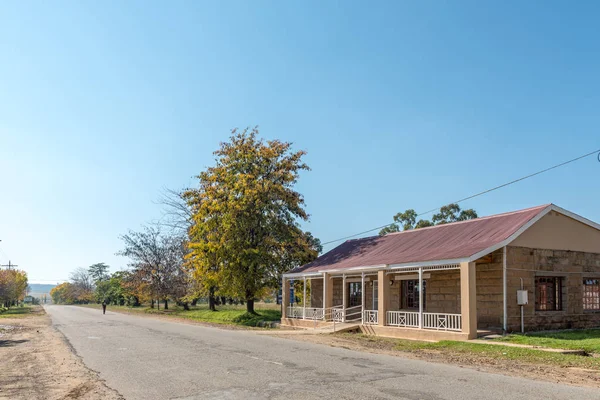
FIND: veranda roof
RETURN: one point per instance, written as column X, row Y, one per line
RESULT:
column 454, row 241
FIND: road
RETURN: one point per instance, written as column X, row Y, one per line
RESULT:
column 146, row 358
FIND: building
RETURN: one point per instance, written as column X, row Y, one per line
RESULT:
column 470, row 272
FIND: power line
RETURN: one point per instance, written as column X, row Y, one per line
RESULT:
column 475, row 195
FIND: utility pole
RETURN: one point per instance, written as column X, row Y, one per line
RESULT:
column 9, row 265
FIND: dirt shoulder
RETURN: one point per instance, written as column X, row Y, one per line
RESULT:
column 37, row 363
column 479, row 362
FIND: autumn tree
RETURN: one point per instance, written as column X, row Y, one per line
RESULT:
column 83, row 285
column 245, row 230
column 407, row 220
column 157, row 261
column 13, row 285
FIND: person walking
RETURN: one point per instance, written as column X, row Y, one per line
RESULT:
column 104, row 307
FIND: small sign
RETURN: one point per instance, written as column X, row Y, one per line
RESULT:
column 522, row 298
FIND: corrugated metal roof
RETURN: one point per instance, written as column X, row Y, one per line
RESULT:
column 442, row 242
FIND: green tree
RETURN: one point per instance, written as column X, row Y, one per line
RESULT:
column 99, row 272
column 245, row 230
column 408, row 219
column 453, row 213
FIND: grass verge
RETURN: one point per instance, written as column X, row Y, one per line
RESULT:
column 17, row 312
column 226, row 315
column 468, row 351
column 587, row 340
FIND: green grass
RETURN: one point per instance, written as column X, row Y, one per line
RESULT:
column 17, row 312
column 584, row 339
column 484, row 351
column 228, row 314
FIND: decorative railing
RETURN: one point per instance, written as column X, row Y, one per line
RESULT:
column 403, row 318
column 295, row 312
column 313, row 313
column 370, row 317
column 305, row 313
column 442, row 322
column 337, row 314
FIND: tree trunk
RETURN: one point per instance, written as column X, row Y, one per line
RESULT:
column 194, row 302
column 186, row 306
column 250, row 306
column 158, row 304
column 152, row 303
column 211, row 299
column 166, row 304
column 223, row 300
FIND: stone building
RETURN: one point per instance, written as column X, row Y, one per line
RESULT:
column 533, row 269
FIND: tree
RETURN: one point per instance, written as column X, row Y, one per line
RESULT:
column 157, row 262
column 99, row 272
column 453, row 213
column 13, row 286
column 245, row 230
column 83, row 285
column 408, row 219
column 65, row 293
column 112, row 289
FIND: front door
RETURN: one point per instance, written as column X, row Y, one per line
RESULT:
column 354, row 294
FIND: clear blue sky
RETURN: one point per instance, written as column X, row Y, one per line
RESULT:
column 399, row 105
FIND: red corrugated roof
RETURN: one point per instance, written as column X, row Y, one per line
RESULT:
column 457, row 240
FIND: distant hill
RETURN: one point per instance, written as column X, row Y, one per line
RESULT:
column 41, row 288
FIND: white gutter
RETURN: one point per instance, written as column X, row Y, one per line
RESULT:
column 302, row 274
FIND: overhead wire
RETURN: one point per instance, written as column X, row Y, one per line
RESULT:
column 474, row 195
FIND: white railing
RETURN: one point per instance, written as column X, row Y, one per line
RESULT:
column 337, row 314
column 313, row 313
column 353, row 314
column 403, row 318
column 370, row 317
column 305, row 313
column 295, row 312
column 442, row 322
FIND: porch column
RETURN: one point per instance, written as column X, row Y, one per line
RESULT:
column 420, row 297
column 468, row 299
column 362, row 298
column 324, row 295
column 327, row 292
column 285, row 293
column 344, row 302
column 383, row 295
column 304, row 300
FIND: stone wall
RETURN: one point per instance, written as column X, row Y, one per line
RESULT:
column 369, row 293
column 443, row 292
column 338, row 294
column 316, row 293
column 490, row 298
column 525, row 263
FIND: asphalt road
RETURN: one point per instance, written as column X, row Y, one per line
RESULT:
column 145, row 358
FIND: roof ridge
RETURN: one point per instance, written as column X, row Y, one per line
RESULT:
column 541, row 207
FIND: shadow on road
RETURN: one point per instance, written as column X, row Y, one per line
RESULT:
column 10, row 343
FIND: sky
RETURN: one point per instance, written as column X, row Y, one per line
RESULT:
column 398, row 104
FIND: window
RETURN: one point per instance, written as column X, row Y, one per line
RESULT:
column 548, row 293
column 355, row 294
column 410, row 294
column 591, row 294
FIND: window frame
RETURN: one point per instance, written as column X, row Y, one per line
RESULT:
column 354, row 294
column 556, row 293
column 406, row 293
column 592, row 290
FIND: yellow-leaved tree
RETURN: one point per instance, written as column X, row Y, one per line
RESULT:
column 245, row 231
